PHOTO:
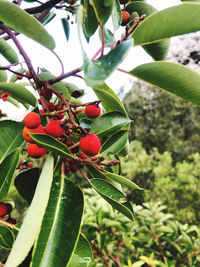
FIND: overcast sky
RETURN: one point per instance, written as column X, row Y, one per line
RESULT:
column 70, row 53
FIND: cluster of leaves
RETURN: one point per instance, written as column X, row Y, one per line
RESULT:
column 174, row 184
column 178, row 132
column 154, row 238
column 50, row 232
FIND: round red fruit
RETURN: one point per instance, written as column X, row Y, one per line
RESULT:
column 125, row 18
column 54, row 129
column 34, row 151
column 32, row 120
column 51, row 106
column 90, row 144
column 92, row 111
column 47, row 94
column 26, row 132
column 3, row 209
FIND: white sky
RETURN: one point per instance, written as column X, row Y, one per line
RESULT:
column 70, row 53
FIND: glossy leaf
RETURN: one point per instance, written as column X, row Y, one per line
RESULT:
column 125, row 150
column 26, row 183
column 13, row 101
column 159, row 50
column 111, row 195
column 16, row 18
column 166, row 23
column 8, row 52
column 59, row 86
column 29, row 230
column 7, row 169
column 6, row 237
column 122, row 180
column 3, row 76
column 108, row 37
column 102, row 11
column 90, row 22
column 109, row 123
column 19, row 91
column 114, row 144
column 10, row 137
column 60, row 226
column 97, row 71
column 172, row 77
column 53, row 145
column 66, row 27
column 116, row 15
column 82, row 256
column 109, row 99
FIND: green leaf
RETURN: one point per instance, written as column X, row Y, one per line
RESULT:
column 66, row 27
column 102, row 12
column 3, row 76
column 32, row 222
column 90, row 22
column 159, row 50
column 61, row 225
column 10, row 137
column 59, row 86
column 116, row 15
column 53, row 145
column 13, row 78
column 6, row 237
column 82, row 255
column 19, row 92
column 16, row 18
column 108, row 37
column 7, row 169
column 122, row 180
column 8, row 52
column 111, row 195
column 13, row 101
column 26, row 183
column 114, row 144
column 97, row 71
column 109, row 99
column 166, row 23
column 172, row 77
column 109, row 123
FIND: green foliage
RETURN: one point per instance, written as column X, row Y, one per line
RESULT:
column 154, row 237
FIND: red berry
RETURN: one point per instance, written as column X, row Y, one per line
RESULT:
column 42, row 111
column 61, row 116
column 73, row 168
column 47, row 94
column 3, row 209
column 32, row 120
column 51, row 106
column 78, row 111
column 90, row 144
column 19, row 77
column 125, row 17
column 26, row 132
column 67, row 169
column 92, row 111
column 30, row 164
column 54, row 129
column 83, row 156
column 35, row 151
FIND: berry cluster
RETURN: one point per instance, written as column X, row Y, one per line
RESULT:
column 4, row 95
column 5, row 210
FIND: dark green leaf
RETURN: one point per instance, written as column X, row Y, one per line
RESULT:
column 109, row 99
column 19, row 92
column 109, row 123
column 22, row 22
column 26, row 183
column 53, row 145
column 166, row 23
column 8, row 52
column 6, row 237
column 112, row 196
column 7, row 169
column 122, row 180
column 32, row 222
column 159, row 50
column 10, row 137
column 108, row 37
column 97, row 71
column 102, row 12
column 114, row 144
column 61, row 225
column 66, row 27
column 90, row 22
column 172, row 77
